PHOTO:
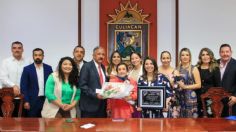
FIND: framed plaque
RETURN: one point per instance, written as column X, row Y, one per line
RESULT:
column 151, row 97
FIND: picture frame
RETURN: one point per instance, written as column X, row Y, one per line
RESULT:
column 128, row 38
column 151, row 97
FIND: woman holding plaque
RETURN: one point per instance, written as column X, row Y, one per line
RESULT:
column 189, row 82
column 151, row 77
column 122, row 108
column 114, row 60
column 209, row 70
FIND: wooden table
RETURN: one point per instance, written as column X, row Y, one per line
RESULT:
column 107, row 124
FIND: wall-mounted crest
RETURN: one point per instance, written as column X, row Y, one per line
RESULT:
column 128, row 31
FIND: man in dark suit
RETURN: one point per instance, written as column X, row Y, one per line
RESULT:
column 92, row 76
column 78, row 54
column 32, row 84
column 228, row 76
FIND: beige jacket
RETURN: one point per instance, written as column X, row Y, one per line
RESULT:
column 49, row 109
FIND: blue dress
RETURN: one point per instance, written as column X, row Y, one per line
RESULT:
column 161, row 80
column 188, row 98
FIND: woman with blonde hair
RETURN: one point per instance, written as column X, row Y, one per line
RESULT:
column 188, row 81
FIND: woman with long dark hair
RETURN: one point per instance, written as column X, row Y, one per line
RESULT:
column 209, row 70
column 151, row 77
column 136, row 61
column 62, row 92
column 114, row 60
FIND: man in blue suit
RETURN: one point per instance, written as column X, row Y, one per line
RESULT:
column 92, row 77
column 32, row 84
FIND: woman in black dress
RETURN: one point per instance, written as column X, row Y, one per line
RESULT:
column 209, row 70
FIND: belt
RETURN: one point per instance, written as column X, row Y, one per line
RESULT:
column 41, row 97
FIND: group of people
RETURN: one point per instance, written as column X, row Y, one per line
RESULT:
column 184, row 84
column 46, row 93
column 72, row 90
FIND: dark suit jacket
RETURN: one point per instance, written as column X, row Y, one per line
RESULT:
column 82, row 66
column 88, row 83
column 228, row 81
column 29, row 81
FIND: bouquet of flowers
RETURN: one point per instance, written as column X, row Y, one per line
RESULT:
column 116, row 90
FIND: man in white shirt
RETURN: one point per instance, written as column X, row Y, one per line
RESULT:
column 11, row 70
column 12, row 67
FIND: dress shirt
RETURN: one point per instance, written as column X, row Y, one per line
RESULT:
column 40, row 76
column 103, row 75
column 11, row 70
column 222, row 68
column 80, row 65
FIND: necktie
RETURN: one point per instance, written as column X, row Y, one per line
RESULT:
column 100, row 74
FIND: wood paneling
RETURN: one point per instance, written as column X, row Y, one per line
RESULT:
column 107, row 124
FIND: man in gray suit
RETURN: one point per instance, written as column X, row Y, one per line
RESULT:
column 92, row 76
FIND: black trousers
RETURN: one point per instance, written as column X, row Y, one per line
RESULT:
column 225, row 111
column 85, row 114
column 36, row 106
column 100, row 113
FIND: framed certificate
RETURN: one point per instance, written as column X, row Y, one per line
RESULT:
column 151, row 97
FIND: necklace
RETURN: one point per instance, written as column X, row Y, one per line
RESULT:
column 185, row 67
